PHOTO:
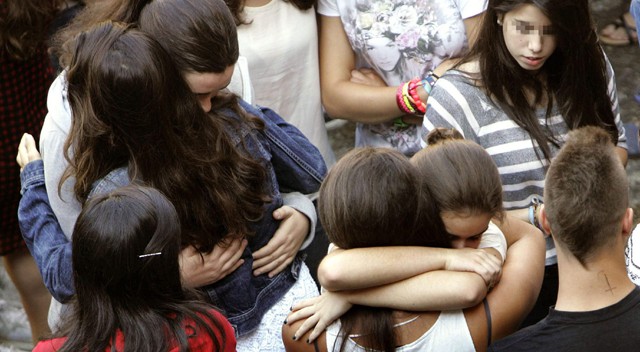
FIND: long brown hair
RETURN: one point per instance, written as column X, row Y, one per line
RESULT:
column 24, row 25
column 372, row 197
column 132, row 107
column 574, row 76
column 94, row 12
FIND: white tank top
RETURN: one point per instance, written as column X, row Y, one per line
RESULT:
column 449, row 333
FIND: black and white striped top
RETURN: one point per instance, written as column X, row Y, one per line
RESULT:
column 456, row 102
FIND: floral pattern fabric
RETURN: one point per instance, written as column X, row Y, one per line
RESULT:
column 401, row 39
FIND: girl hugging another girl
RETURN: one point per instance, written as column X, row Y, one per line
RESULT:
column 408, row 273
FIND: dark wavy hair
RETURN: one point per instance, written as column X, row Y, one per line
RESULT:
column 24, row 25
column 237, row 7
column 373, row 197
column 117, row 291
column 574, row 77
column 132, row 107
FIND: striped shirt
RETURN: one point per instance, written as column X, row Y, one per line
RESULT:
column 456, row 102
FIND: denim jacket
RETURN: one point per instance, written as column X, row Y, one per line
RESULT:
column 42, row 233
column 293, row 164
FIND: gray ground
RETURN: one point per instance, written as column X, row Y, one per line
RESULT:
column 14, row 331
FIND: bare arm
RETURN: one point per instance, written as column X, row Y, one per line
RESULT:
column 344, row 98
column 512, row 299
column 341, row 97
column 352, row 269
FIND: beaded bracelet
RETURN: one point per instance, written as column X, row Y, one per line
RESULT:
column 415, row 97
column 403, row 103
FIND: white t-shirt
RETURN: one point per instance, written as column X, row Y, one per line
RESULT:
column 401, row 40
column 281, row 45
column 632, row 255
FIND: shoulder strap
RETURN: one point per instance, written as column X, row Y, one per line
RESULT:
column 487, row 312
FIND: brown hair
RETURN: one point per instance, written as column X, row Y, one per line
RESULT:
column 237, row 7
column 94, row 12
column 462, row 176
column 372, row 197
column 441, row 134
column 132, row 107
column 201, row 36
column 24, row 25
column 574, row 77
column 586, row 192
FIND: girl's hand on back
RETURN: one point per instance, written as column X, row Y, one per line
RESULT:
column 479, row 261
column 27, row 151
column 319, row 313
column 285, row 244
column 200, row 269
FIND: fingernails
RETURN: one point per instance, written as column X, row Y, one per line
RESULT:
column 285, row 321
column 308, row 341
column 294, row 337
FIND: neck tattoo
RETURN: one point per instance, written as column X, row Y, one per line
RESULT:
column 606, row 279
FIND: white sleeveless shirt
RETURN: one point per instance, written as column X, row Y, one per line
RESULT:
column 449, row 333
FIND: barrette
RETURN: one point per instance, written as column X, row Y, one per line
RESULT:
column 149, row 255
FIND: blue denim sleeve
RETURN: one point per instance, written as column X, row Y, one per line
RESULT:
column 298, row 164
column 40, row 229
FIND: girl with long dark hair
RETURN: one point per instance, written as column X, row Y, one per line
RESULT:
column 126, row 272
column 536, row 72
column 223, row 169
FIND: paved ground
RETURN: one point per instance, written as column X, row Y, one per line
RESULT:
column 14, row 333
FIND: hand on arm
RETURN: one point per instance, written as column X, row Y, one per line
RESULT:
column 351, row 269
column 318, row 312
column 284, row 246
column 200, row 269
column 341, row 97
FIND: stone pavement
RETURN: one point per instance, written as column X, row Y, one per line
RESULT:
column 14, row 330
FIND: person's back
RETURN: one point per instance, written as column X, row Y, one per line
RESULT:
column 127, row 277
column 586, row 210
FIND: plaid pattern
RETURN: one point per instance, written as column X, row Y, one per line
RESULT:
column 23, row 106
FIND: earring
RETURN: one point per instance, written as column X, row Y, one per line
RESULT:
column 499, row 21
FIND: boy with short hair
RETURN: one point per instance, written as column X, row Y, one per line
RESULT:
column 587, row 212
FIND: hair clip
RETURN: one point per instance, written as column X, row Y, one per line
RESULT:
column 149, row 255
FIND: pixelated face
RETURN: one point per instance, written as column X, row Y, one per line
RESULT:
column 207, row 85
column 529, row 36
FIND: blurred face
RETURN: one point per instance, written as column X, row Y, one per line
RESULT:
column 207, row 85
column 528, row 35
column 465, row 230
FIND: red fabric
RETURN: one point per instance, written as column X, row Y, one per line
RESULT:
column 200, row 342
column 23, row 97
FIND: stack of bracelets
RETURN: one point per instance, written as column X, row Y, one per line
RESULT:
column 408, row 99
